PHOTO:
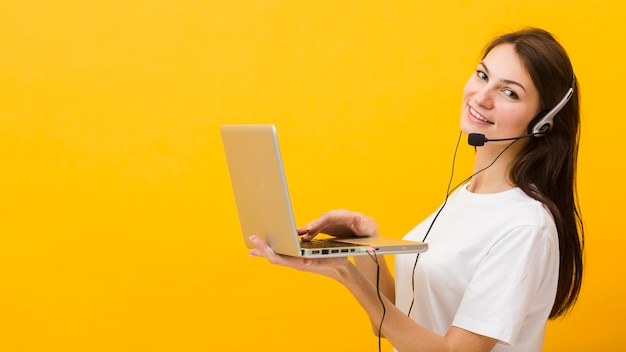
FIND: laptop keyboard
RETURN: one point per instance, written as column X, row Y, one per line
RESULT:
column 326, row 243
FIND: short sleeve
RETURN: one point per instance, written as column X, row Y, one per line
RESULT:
column 513, row 280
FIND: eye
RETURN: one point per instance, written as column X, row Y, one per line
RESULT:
column 511, row 94
column 481, row 75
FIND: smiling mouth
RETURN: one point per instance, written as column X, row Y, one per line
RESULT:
column 479, row 116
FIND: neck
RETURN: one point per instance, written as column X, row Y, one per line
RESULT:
column 494, row 178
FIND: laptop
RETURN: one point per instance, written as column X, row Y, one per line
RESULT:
column 264, row 207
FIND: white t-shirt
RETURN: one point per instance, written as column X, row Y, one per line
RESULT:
column 492, row 268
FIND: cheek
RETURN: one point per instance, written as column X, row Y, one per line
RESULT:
column 471, row 88
column 467, row 89
column 467, row 93
column 519, row 119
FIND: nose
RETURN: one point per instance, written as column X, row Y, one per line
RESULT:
column 483, row 97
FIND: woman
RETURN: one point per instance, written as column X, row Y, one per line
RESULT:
column 505, row 250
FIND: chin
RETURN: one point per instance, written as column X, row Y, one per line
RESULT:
column 467, row 129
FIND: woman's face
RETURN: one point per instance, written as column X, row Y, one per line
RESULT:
column 499, row 99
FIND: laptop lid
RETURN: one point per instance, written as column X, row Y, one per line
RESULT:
column 263, row 203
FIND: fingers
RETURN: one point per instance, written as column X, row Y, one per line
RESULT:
column 364, row 226
column 262, row 250
column 334, row 223
column 306, row 232
column 308, row 237
column 339, row 223
column 330, row 267
column 356, row 224
column 310, row 230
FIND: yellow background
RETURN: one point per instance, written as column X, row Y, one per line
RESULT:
column 118, row 228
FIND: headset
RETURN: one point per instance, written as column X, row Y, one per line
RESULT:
column 542, row 123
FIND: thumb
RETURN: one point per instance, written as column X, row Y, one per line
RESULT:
column 360, row 226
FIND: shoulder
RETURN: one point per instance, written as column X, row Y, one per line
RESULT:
column 512, row 206
column 512, row 216
column 529, row 212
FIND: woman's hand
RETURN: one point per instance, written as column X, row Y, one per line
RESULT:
column 340, row 223
column 331, row 267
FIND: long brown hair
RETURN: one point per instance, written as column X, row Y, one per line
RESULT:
column 546, row 167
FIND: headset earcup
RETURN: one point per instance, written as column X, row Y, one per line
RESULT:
column 537, row 120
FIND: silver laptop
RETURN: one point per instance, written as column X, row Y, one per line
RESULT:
column 263, row 203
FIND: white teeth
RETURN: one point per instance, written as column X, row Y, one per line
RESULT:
column 478, row 116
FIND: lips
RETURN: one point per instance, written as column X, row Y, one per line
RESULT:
column 478, row 116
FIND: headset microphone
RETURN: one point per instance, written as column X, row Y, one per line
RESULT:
column 478, row 140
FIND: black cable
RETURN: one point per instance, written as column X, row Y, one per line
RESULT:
column 448, row 192
column 374, row 257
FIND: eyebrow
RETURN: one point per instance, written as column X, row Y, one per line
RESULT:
column 507, row 81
